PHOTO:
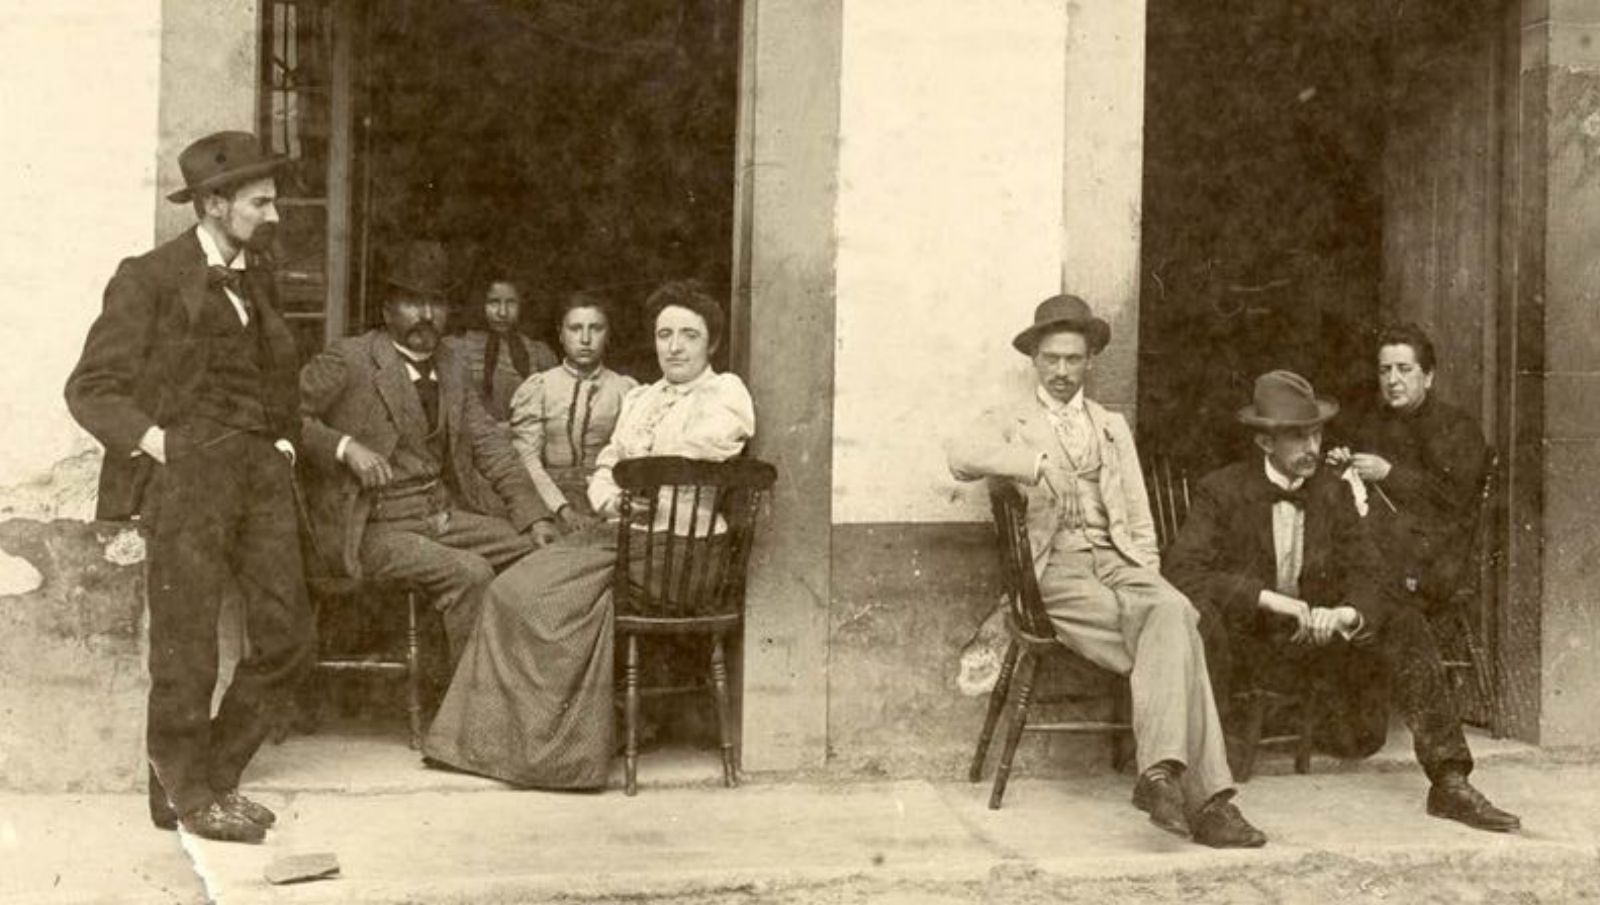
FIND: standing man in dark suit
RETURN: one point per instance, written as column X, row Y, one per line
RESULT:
column 188, row 380
column 1276, row 545
column 1426, row 458
column 412, row 480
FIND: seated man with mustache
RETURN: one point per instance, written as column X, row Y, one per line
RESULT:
column 411, row 479
column 1275, row 545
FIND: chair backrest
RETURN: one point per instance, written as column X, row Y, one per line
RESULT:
column 1168, row 489
column 1016, row 559
column 1478, row 551
column 684, row 540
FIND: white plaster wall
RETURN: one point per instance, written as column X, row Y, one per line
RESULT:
column 950, row 225
column 78, row 94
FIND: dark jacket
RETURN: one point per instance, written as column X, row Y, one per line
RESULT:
column 143, row 363
column 1437, row 458
column 1224, row 553
column 360, row 387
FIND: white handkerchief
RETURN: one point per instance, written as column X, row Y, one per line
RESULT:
column 1358, row 489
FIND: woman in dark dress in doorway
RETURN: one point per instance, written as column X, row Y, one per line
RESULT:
column 531, row 702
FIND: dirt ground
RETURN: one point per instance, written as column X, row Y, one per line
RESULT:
column 1318, row 878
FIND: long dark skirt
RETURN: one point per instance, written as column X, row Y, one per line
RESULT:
column 531, row 702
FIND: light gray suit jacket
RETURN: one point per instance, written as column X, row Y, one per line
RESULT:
column 1005, row 443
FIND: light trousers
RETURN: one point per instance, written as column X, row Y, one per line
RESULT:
column 1128, row 619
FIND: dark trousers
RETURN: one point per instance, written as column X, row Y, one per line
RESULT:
column 1353, row 686
column 222, row 512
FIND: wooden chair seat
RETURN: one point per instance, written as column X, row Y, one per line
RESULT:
column 683, row 545
column 1032, row 639
column 1169, row 503
column 329, row 593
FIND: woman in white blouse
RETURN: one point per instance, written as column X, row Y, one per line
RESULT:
column 531, row 702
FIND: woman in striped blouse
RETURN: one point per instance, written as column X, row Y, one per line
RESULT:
column 561, row 418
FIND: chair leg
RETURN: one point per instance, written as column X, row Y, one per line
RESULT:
column 997, row 703
column 1019, row 718
column 719, row 685
column 1254, row 721
column 1123, row 750
column 413, row 672
column 630, row 752
column 1482, row 671
column 1308, row 723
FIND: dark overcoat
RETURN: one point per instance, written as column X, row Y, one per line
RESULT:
column 1437, row 458
column 1225, row 555
column 143, row 362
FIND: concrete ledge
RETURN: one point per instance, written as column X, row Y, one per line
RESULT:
column 72, row 657
column 1350, row 837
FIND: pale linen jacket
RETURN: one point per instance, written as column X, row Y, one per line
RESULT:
column 1005, row 443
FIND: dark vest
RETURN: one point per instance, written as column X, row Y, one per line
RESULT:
column 232, row 390
column 418, row 456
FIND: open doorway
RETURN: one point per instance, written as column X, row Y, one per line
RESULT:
column 1263, row 209
column 574, row 146
column 580, row 146
column 1312, row 172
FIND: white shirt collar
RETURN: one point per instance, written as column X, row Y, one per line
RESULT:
column 1052, row 404
column 691, row 385
column 1279, row 478
column 208, row 245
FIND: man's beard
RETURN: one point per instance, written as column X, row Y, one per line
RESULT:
column 260, row 240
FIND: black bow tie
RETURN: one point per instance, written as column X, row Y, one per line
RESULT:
column 217, row 275
column 1295, row 498
column 424, row 366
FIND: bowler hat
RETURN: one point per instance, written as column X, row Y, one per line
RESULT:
column 1064, row 312
column 222, row 159
column 1285, row 399
column 421, row 266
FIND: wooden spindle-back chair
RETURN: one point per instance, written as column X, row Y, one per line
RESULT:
column 683, row 546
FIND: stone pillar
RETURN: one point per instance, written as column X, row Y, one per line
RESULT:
column 1103, row 184
column 1553, row 616
column 210, row 71
column 784, row 315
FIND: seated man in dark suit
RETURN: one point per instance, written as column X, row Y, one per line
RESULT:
column 1275, row 544
column 412, row 480
column 1424, row 459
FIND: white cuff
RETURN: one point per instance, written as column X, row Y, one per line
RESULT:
column 338, row 451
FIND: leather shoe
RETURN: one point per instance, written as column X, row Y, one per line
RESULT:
column 1220, row 825
column 1159, row 796
column 216, row 822
column 249, row 810
column 1453, row 798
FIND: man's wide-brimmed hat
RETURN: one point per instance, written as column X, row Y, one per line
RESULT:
column 421, row 266
column 222, row 159
column 1285, row 399
column 1064, row 312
